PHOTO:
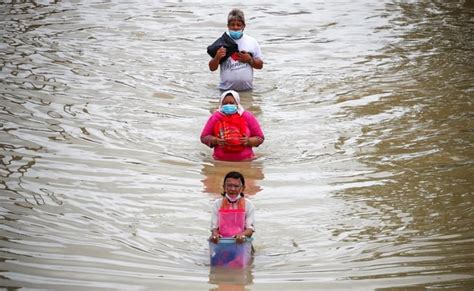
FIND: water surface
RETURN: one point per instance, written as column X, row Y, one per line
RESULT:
column 364, row 181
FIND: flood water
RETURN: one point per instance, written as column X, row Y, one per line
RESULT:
column 364, row 181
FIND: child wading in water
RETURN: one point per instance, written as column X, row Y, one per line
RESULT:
column 233, row 215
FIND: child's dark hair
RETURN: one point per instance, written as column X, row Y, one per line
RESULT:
column 234, row 175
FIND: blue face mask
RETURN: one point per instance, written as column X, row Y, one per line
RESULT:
column 229, row 109
column 235, row 34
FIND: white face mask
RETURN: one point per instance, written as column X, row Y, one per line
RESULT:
column 232, row 199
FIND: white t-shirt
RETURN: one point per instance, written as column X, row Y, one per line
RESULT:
column 236, row 75
column 249, row 213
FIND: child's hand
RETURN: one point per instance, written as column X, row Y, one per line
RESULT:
column 215, row 238
column 240, row 238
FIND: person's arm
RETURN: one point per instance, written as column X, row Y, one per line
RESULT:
column 249, row 223
column 215, row 236
column 255, row 141
column 256, row 137
column 246, row 57
column 209, row 140
column 207, row 133
column 214, row 62
column 256, row 63
column 241, row 237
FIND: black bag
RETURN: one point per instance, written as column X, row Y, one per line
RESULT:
column 224, row 41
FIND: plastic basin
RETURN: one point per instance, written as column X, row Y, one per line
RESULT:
column 228, row 253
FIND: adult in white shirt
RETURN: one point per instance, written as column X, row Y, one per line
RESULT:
column 236, row 70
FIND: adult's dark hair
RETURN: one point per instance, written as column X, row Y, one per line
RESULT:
column 236, row 14
column 234, row 175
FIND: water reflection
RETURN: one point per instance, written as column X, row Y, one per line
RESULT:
column 251, row 100
column 215, row 171
column 230, row 279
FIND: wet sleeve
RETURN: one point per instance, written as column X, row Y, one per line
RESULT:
column 257, row 52
column 208, row 130
column 214, row 217
column 249, row 215
column 254, row 126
